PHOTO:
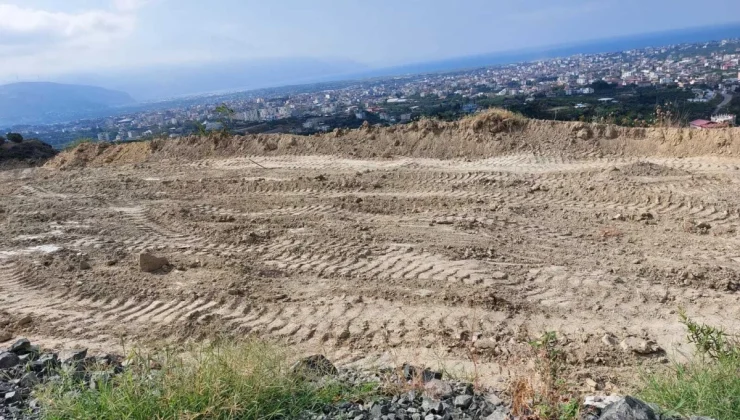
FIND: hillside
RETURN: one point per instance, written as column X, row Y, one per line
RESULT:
column 36, row 102
column 490, row 134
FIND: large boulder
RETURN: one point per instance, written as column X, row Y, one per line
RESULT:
column 149, row 263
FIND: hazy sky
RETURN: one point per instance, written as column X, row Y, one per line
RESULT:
column 44, row 37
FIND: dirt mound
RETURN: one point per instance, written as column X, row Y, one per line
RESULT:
column 650, row 169
column 98, row 154
column 489, row 134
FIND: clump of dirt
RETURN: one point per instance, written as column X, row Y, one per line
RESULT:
column 650, row 169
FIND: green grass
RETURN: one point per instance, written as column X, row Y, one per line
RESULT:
column 706, row 388
column 709, row 385
column 237, row 381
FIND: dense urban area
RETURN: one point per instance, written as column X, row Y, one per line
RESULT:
column 672, row 85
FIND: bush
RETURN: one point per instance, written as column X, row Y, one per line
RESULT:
column 15, row 138
column 250, row 380
column 709, row 385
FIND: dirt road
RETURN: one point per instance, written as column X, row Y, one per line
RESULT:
column 379, row 261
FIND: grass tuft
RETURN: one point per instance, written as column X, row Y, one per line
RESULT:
column 250, row 380
column 709, row 385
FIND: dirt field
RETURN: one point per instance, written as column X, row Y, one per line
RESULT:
column 453, row 262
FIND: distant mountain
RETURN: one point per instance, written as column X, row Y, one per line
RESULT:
column 35, row 102
column 167, row 81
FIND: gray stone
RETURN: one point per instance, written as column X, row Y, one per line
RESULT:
column 498, row 415
column 628, row 408
column 71, row 356
column 8, row 360
column 149, row 263
column 29, row 380
column 494, row 400
column 378, row 410
column 463, row 401
column 416, row 416
column 437, row 389
column 428, row 405
column 22, row 346
column 11, row 397
column 5, row 336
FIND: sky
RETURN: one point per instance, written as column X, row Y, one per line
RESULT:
column 42, row 38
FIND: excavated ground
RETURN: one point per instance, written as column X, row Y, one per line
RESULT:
column 454, row 263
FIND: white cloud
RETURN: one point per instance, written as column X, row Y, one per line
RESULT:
column 49, row 41
column 29, row 26
column 129, row 5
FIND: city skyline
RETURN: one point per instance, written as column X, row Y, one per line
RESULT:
column 44, row 39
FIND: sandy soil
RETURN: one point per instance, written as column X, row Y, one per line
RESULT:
column 448, row 262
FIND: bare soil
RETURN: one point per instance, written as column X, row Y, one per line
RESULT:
column 420, row 256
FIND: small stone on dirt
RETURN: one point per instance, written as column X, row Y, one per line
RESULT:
column 437, row 389
column 5, row 336
column 149, row 263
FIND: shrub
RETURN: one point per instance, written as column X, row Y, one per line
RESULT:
column 15, row 138
column 250, row 380
column 2, row 140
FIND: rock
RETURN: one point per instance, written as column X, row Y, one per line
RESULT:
column 600, row 402
column 149, row 263
column 703, row 226
column 71, row 356
column 498, row 275
column 639, row 346
column 412, row 372
column 317, row 365
column 5, row 336
column 29, row 380
column 22, row 346
column 494, row 400
column 430, row 405
column 11, row 397
column 628, row 408
column 609, row 340
column 437, row 389
column 8, row 360
column 84, row 265
column 619, row 217
column 591, row 383
column 378, row 410
column 463, row 401
column 499, row 414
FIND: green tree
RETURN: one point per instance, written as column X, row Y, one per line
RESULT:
column 15, row 138
column 2, row 140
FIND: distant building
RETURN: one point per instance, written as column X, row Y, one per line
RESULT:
column 729, row 119
column 103, row 137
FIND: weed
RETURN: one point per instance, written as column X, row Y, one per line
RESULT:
column 547, row 395
column 709, row 385
column 250, row 380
